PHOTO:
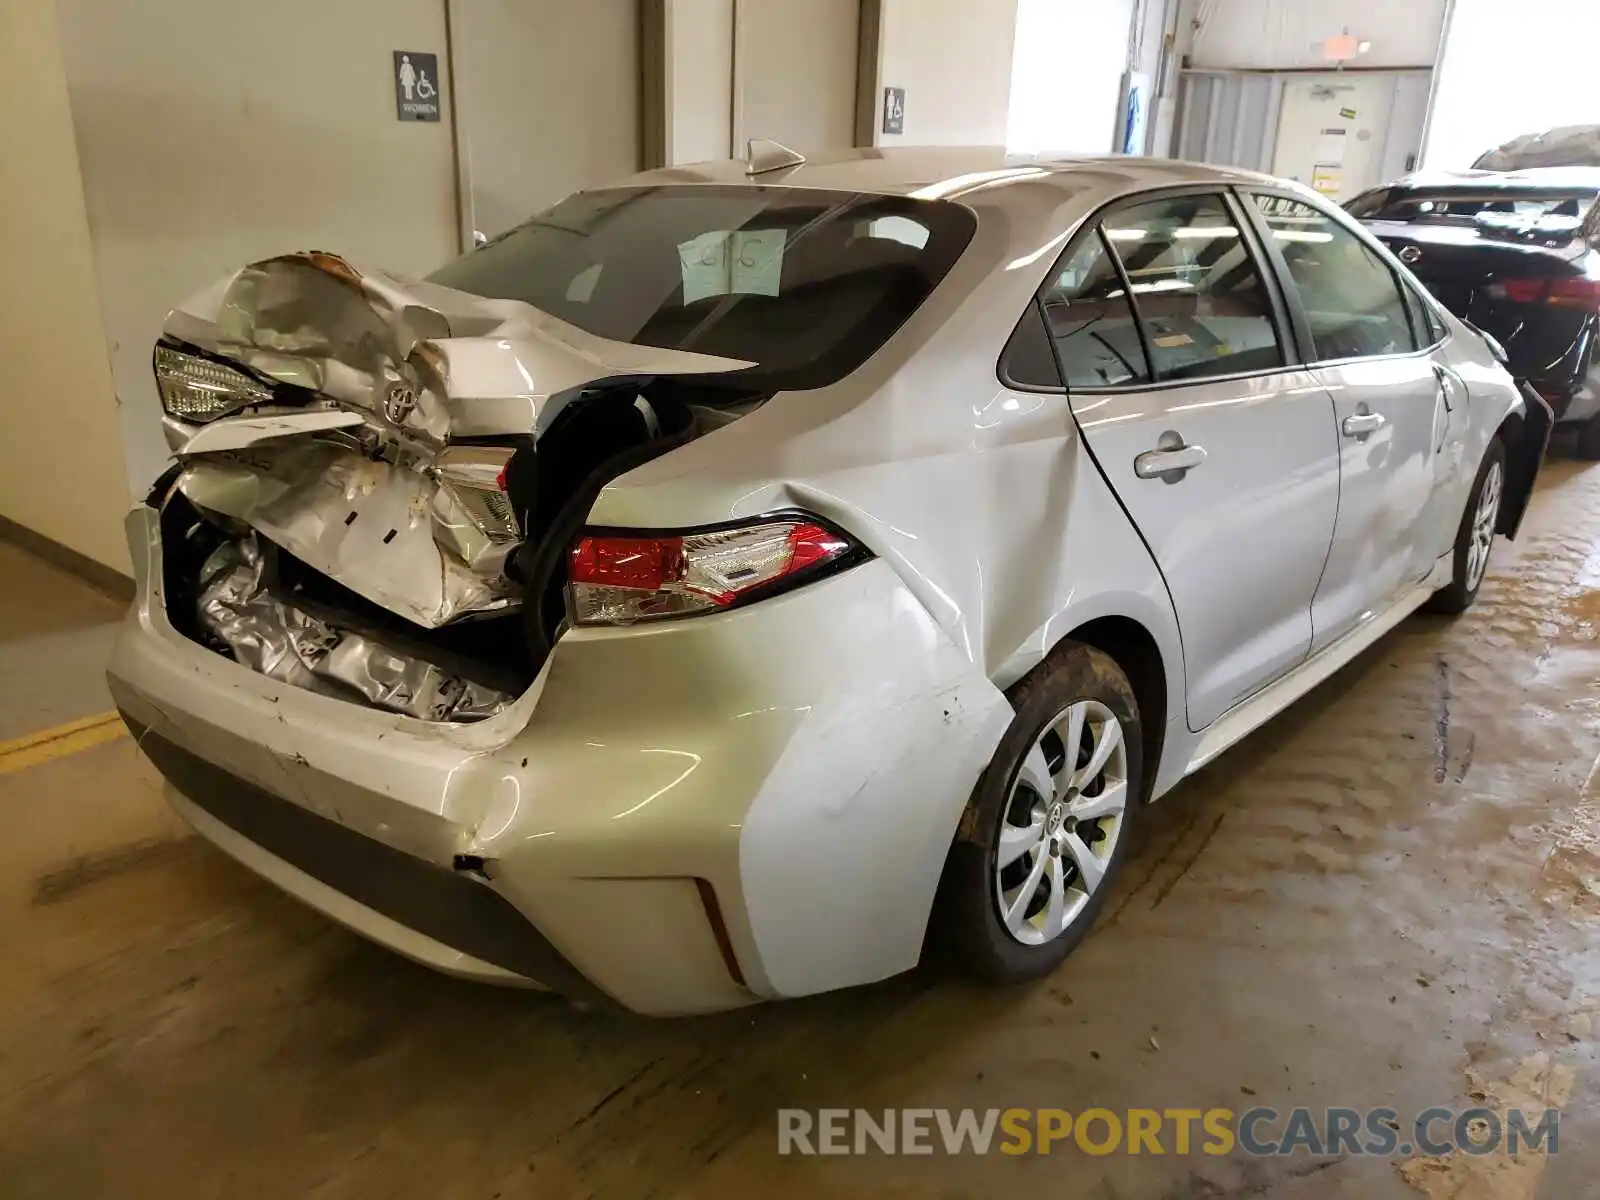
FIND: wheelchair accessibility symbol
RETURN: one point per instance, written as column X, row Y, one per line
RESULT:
column 416, row 87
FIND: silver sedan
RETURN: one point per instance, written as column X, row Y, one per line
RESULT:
column 741, row 581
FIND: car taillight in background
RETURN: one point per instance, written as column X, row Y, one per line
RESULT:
column 1571, row 291
column 621, row 580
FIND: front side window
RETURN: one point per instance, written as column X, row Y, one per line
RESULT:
column 805, row 283
column 1196, row 286
column 1349, row 294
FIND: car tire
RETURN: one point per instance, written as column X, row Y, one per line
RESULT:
column 1013, row 838
column 1588, row 446
column 1475, row 535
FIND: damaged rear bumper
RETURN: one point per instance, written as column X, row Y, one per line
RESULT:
column 682, row 817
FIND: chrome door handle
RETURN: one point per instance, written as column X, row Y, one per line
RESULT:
column 1170, row 465
column 1359, row 425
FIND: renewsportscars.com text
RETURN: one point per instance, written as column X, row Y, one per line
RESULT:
column 1259, row 1131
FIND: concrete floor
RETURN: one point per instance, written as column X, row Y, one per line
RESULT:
column 1386, row 897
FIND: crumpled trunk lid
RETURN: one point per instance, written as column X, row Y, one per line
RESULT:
column 356, row 467
column 428, row 362
column 379, row 447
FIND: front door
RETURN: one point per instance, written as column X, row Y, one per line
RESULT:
column 1396, row 412
column 1225, row 457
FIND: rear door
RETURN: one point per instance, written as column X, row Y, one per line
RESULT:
column 1173, row 345
column 1400, row 413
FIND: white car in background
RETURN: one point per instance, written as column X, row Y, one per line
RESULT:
column 732, row 583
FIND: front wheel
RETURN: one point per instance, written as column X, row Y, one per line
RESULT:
column 1475, row 537
column 1049, row 823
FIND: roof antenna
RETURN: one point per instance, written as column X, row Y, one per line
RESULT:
column 764, row 154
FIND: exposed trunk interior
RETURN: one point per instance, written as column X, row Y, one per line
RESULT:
column 237, row 591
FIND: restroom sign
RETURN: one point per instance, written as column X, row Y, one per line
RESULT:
column 894, row 110
column 416, row 85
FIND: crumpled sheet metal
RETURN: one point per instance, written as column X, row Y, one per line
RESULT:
column 296, row 648
column 313, row 320
column 376, row 519
column 473, row 366
column 386, row 533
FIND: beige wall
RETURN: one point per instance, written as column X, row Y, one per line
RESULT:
column 779, row 69
column 211, row 134
column 953, row 57
column 549, row 101
column 61, row 469
column 797, row 71
column 699, row 80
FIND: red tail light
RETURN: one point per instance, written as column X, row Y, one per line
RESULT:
column 1572, row 291
column 621, row 580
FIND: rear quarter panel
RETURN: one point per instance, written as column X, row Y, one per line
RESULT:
column 981, row 497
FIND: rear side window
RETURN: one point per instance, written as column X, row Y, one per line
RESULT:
column 1087, row 313
column 1199, row 294
column 1029, row 362
column 1351, row 297
column 1425, row 323
column 805, row 283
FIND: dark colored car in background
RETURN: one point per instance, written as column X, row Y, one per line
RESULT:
column 1517, row 255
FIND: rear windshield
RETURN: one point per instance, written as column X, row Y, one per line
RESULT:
column 806, row 284
column 1467, row 208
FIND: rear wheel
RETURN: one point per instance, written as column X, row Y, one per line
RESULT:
column 1049, row 824
column 1475, row 537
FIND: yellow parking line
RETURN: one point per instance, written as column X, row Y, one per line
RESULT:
column 60, row 741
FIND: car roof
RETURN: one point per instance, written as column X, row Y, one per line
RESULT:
column 951, row 172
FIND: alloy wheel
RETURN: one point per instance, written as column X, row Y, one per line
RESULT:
column 1481, row 536
column 1062, row 822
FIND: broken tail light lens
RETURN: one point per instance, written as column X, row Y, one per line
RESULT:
column 619, row 580
column 198, row 389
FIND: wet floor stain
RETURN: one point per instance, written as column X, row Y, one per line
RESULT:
column 1581, row 610
column 62, row 882
column 1535, row 1085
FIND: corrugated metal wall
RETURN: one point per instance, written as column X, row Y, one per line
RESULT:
column 1277, row 35
column 1230, row 120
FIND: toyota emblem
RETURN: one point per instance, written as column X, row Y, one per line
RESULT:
column 1410, row 255
column 399, row 403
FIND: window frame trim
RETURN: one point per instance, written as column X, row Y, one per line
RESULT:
column 1035, row 312
column 1397, row 272
column 1090, row 226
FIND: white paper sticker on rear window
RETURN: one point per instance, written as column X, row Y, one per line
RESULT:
column 746, row 262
